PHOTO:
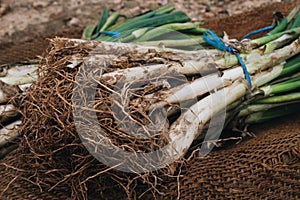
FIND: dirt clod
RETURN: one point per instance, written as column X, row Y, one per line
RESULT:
column 4, row 8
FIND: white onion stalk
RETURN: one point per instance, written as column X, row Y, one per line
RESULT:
column 3, row 96
column 9, row 132
column 7, row 112
column 186, row 128
column 19, row 80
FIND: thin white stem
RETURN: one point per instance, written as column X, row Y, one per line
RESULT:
column 9, row 132
column 7, row 112
column 19, row 80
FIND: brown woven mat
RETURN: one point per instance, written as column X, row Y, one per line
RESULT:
column 265, row 167
column 16, row 185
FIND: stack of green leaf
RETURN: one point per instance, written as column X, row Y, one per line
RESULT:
column 279, row 97
column 164, row 25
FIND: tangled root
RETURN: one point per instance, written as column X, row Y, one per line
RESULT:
column 53, row 156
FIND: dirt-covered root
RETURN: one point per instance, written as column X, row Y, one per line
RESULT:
column 52, row 155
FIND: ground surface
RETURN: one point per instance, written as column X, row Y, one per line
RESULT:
column 25, row 24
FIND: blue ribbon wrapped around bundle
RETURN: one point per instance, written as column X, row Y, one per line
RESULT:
column 215, row 41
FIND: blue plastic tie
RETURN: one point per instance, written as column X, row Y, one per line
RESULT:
column 109, row 33
column 267, row 28
column 215, row 41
